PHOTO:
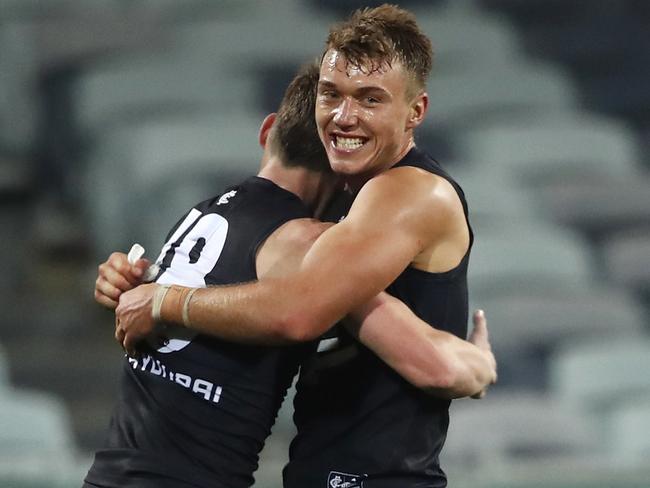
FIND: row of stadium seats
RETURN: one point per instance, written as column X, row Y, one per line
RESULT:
column 37, row 446
column 161, row 109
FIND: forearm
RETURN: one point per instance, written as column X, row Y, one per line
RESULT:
column 430, row 359
column 264, row 312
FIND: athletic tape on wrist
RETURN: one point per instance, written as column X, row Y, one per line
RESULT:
column 186, row 307
column 158, row 299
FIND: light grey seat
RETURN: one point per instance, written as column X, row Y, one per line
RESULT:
column 145, row 87
column 530, row 256
column 294, row 36
column 599, row 375
column 4, row 369
column 628, row 428
column 468, row 42
column 626, row 258
column 552, row 148
column 515, row 428
column 526, row 326
column 524, row 319
column 35, row 432
column 131, row 161
column 462, row 101
column 495, row 199
column 18, row 101
column 601, row 206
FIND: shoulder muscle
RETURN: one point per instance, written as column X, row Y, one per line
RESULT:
column 284, row 249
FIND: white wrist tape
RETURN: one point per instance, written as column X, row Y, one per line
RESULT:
column 157, row 301
column 186, row 307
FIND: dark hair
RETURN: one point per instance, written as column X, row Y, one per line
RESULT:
column 295, row 134
column 373, row 38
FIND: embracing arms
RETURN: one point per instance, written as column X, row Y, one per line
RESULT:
column 394, row 219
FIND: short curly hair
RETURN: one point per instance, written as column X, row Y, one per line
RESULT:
column 371, row 39
column 294, row 133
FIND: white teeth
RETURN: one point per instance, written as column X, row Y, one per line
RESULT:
column 348, row 142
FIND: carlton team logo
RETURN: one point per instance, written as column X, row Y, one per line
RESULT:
column 344, row 480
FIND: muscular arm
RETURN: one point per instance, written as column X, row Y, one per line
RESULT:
column 395, row 216
column 433, row 360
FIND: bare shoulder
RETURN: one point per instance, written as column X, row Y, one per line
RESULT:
column 299, row 232
column 412, row 192
column 284, row 249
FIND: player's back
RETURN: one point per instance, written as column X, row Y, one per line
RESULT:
column 194, row 410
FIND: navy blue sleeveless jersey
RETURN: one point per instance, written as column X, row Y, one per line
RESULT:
column 359, row 423
column 194, row 411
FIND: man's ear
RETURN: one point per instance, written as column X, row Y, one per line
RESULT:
column 417, row 110
column 265, row 128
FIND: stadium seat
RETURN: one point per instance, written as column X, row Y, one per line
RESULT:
column 629, row 425
column 601, row 206
column 18, row 104
column 495, row 199
column 526, row 326
column 497, row 92
column 258, row 40
column 626, row 256
column 516, row 428
column 533, row 256
column 148, row 154
column 464, row 42
column 548, row 149
column 35, row 431
column 598, row 375
column 144, row 88
column 4, row 369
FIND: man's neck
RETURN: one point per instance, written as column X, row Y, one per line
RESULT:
column 354, row 182
column 312, row 187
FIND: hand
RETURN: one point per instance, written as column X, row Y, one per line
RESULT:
column 133, row 320
column 480, row 338
column 116, row 276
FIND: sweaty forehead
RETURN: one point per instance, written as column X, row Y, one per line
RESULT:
column 336, row 68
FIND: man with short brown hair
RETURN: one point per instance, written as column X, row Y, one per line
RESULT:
column 359, row 424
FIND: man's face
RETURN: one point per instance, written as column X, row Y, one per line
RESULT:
column 363, row 119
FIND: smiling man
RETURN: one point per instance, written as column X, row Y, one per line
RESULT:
column 359, row 423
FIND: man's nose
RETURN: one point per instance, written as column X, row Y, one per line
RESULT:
column 346, row 114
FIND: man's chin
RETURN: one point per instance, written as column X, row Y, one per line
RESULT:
column 345, row 167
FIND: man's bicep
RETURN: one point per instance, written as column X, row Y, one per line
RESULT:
column 283, row 251
column 359, row 257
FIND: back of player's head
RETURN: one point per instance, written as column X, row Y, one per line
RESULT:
column 295, row 135
column 373, row 38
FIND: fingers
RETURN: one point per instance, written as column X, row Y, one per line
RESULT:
column 139, row 267
column 480, row 395
column 125, row 340
column 116, row 276
column 121, row 273
column 479, row 320
column 128, row 344
column 105, row 301
column 106, row 294
column 479, row 335
column 119, row 332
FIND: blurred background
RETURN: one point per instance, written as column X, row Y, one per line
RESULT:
column 117, row 115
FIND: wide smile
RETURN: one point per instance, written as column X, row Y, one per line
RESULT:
column 347, row 144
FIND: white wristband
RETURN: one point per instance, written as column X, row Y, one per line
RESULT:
column 186, row 307
column 158, row 299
